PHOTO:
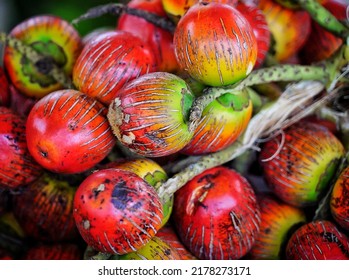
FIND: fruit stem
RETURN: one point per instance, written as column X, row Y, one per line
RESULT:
column 296, row 102
column 324, row 18
column 324, row 71
column 117, row 9
column 44, row 64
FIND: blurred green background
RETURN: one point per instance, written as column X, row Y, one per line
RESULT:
column 13, row 12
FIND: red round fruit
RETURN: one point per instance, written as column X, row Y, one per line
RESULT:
column 216, row 215
column 68, row 132
column 116, row 211
column 215, row 44
column 18, row 168
column 109, row 61
column 318, row 240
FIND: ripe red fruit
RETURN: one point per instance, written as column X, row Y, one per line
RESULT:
column 339, row 203
column 49, row 35
column 150, row 115
column 4, row 89
column 50, row 217
column 116, row 211
column 216, row 215
column 68, row 132
column 18, row 168
column 109, row 61
column 215, row 44
column 160, row 40
column 318, row 240
column 299, row 168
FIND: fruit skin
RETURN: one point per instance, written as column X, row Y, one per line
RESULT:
column 116, row 211
column 18, row 167
column 49, row 35
column 149, row 171
column 110, row 61
column 68, row 132
column 155, row 249
column 215, row 50
column 160, row 40
column 4, row 89
column 216, row 215
column 289, row 28
column 278, row 219
column 221, row 123
column 318, row 240
column 44, row 209
column 55, row 251
column 339, row 200
column 150, row 115
column 299, row 172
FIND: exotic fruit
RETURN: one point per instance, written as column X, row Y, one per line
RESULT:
column 68, row 132
column 150, row 115
column 216, row 215
column 339, row 203
column 318, row 240
column 51, row 37
column 109, row 61
column 17, row 167
column 299, row 164
column 215, row 44
column 116, row 211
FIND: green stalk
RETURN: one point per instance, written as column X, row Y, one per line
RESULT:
column 44, row 64
column 324, row 72
column 324, row 18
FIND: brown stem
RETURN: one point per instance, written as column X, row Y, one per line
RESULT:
column 117, row 9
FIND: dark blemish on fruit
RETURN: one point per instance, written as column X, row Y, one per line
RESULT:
column 167, row 252
column 332, row 238
column 136, row 206
column 209, row 177
column 121, row 195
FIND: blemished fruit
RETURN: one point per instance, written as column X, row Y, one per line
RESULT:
column 68, row 132
column 318, row 240
column 18, row 167
column 339, row 201
column 299, row 164
column 116, row 211
column 215, row 50
column 51, row 36
column 110, row 61
column 150, row 115
column 216, row 215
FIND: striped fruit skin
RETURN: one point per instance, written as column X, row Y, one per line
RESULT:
column 160, row 40
column 168, row 234
column 289, row 28
column 155, row 249
column 116, row 211
column 299, row 172
column 216, row 215
column 49, row 35
column 221, row 123
column 55, row 251
column 108, row 62
column 68, row 132
column 339, row 203
column 18, row 167
column 150, row 114
column 277, row 220
column 4, row 89
column 215, row 44
column 44, row 209
column 149, row 171
column 318, row 240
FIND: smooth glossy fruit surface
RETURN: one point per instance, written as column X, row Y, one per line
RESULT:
column 51, row 36
column 150, row 114
column 68, row 132
column 215, row 50
column 116, row 211
column 216, row 215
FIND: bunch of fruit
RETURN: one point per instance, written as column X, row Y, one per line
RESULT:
column 190, row 130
